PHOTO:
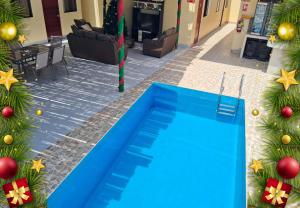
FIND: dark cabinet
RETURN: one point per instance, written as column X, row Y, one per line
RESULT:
column 257, row 49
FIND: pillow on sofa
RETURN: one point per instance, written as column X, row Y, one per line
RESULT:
column 86, row 27
column 79, row 22
column 90, row 34
column 170, row 31
column 77, row 32
column 74, row 29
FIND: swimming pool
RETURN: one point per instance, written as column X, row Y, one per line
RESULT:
column 170, row 150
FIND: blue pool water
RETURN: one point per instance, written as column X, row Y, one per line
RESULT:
column 171, row 149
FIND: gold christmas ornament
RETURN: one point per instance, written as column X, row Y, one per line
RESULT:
column 256, row 165
column 8, row 31
column 286, row 139
column 7, row 78
column 8, row 139
column 39, row 112
column 287, row 79
column 37, row 165
column 286, row 31
column 255, row 112
column 22, row 39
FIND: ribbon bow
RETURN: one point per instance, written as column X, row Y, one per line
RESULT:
column 18, row 194
column 276, row 194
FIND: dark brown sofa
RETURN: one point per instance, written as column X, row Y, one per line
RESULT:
column 94, row 46
column 162, row 46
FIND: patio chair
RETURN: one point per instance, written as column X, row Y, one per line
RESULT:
column 55, row 40
column 58, row 57
column 41, row 61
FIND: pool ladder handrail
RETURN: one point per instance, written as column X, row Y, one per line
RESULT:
column 240, row 91
column 225, row 109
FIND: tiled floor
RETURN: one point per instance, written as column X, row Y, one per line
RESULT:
column 68, row 100
column 221, row 53
column 195, row 68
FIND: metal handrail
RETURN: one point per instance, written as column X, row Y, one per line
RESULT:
column 221, row 90
column 222, row 84
column 241, row 86
column 240, row 92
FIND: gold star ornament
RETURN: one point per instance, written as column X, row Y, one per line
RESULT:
column 287, row 79
column 37, row 165
column 22, row 39
column 7, row 78
column 272, row 38
column 256, row 165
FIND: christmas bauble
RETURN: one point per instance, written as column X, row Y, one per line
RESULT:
column 255, row 112
column 287, row 112
column 8, row 31
column 286, row 139
column 8, row 168
column 8, row 139
column 286, row 31
column 7, row 112
column 288, row 168
column 39, row 112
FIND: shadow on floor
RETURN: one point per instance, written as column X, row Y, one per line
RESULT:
column 221, row 53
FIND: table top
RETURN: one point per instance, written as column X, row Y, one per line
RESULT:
column 28, row 51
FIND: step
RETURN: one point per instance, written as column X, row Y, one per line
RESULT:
column 226, row 106
column 226, row 110
column 226, row 114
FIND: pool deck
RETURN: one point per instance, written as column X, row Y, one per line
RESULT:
column 196, row 68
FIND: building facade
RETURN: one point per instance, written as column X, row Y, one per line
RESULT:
column 199, row 17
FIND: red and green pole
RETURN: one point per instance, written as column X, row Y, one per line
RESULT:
column 178, row 21
column 121, row 44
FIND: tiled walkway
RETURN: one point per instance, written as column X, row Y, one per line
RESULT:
column 192, row 69
column 69, row 100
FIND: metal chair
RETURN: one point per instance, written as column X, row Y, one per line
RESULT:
column 41, row 61
column 58, row 57
column 55, row 40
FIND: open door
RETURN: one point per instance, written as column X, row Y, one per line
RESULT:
column 52, row 18
column 198, row 23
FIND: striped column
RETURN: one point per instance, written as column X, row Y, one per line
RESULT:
column 121, row 44
column 178, row 21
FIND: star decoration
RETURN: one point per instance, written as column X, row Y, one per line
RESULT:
column 7, row 78
column 272, row 38
column 256, row 165
column 22, row 39
column 37, row 165
column 287, row 79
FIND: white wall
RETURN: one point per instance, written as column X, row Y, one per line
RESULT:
column 35, row 28
column 67, row 19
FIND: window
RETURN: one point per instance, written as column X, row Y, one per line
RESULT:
column 26, row 6
column 218, row 5
column 206, row 8
column 70, row 6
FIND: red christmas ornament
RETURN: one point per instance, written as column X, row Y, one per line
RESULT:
column 7, row 112
column 287, row 112
column 288, row 168
column 8, row 168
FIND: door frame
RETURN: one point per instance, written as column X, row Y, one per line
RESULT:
column 198, row 22
column 222, row 16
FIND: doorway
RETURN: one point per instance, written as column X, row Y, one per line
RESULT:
column 52, row 18
column 198, row 23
